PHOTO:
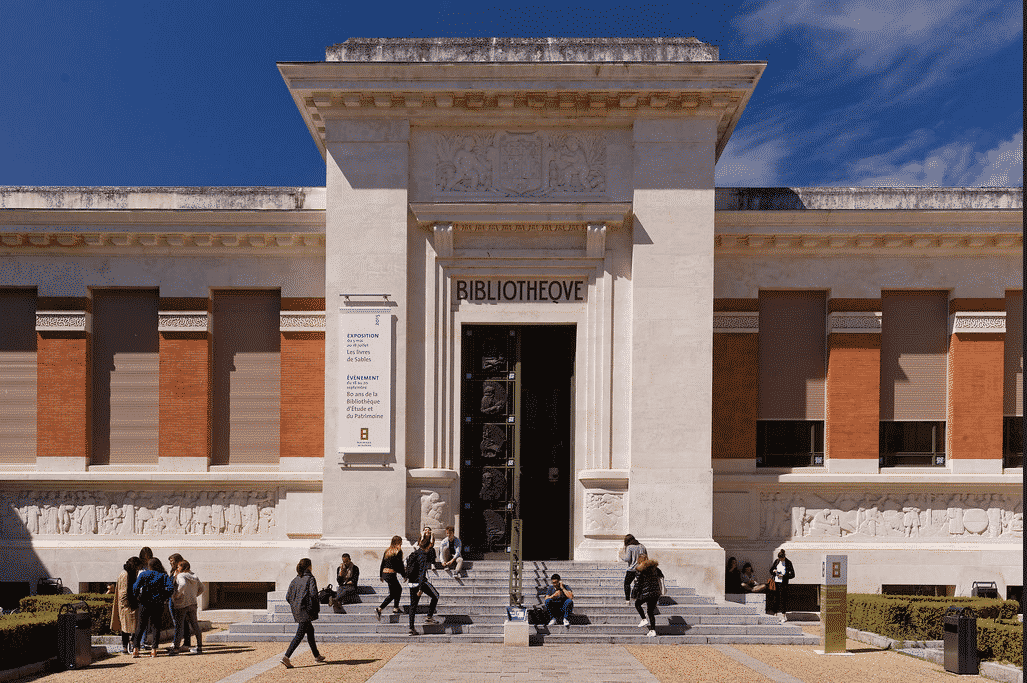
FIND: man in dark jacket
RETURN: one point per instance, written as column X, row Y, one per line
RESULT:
column 302, row 598
column 781, row 571
column 417, row 575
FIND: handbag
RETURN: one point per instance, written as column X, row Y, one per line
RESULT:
column 325, row 594
column 771, row 585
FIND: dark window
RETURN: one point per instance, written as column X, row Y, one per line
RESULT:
column 789, row 443
column 930, row 590
column 1012, row 441
column 919, row 443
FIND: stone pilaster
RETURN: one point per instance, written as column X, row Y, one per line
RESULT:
column 672, row 391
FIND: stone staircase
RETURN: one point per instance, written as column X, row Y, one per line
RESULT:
column 472, row 608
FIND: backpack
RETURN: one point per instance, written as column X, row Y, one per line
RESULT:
column 157, row 591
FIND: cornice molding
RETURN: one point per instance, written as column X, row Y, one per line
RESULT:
column 123, row 243
column 871, row 221
column 971, row 322
column 831, row 244
column 555, row 214
column 472, row 92
column 736, row 321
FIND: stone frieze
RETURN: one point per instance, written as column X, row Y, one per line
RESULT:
column 519, row 164
column 139, row 513
column 941, row 516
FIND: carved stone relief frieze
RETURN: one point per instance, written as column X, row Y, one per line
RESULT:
column 941, row 516
column 142, row 513
column 604, row 513
column 519, row 164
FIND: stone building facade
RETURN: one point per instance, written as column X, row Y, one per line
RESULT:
column 519, row 274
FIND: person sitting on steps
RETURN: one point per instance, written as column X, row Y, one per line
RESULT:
column 559, row 602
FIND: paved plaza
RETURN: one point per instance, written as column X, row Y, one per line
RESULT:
column 377, row 663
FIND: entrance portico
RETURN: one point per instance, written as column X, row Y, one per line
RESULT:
column 524, row 183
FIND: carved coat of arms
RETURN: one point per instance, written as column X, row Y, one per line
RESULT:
column 520, row 164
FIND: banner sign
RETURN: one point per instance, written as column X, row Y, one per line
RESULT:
column 365, row 386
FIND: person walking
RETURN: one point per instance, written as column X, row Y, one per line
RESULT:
column 302, row 598
column 123, row 616
column 781, row 572
column 647, row 591
column 152, row 589
column 187, row 589
column 630, row 553
column 417, row 575
column 390, row 570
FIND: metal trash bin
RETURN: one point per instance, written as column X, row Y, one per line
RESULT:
column 960, row 625
column 74, row 635
column 984, row 589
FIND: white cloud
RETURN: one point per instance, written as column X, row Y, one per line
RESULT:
column 752, row 158
column 913, row 45
column 956, row 164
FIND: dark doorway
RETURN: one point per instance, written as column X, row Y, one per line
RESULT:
column 517, row 398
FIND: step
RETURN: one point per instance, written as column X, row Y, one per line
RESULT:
column 537, row 638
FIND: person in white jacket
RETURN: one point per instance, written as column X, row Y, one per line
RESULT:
column 187, row 589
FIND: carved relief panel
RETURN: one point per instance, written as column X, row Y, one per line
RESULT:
column 140, row 513
column 511, row 165
column 891, row 517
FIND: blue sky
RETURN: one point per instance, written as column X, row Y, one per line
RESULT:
column 856, row 92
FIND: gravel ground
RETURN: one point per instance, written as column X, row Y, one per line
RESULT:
column 692, row 664
column 344, row 663
column 867, row 664
column 217, row 661
column 356, row 663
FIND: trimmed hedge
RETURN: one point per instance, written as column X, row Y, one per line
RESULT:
column 999, row 633
column 27, row 638
column 1001, row 640
column 99, row 604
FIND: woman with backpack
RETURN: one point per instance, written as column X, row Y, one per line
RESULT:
column 153, row 587
column 123, row 616
column 303, row 599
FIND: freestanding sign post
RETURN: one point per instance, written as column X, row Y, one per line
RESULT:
column 833, row 606
column 365, row 389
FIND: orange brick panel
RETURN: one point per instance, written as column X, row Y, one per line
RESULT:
column 853, row 396
column 735, row 373
column 184, row 393
column 974, row 428
column 62, row 395
column 303, row 394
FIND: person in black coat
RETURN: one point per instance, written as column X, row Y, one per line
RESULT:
column 302, row 598
column 781, row 572
column 647, row 590
column 732, row 577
